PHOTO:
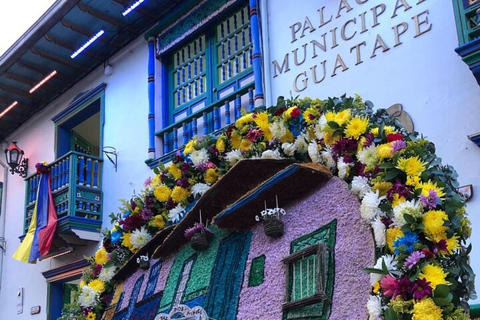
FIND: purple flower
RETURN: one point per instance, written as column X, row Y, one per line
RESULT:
column 197, row 227
column 413, row 259
column 369, row 138
column 147, row 214
column 400, row 188
column 343, row 147
column 398, row 145
column 183, row 183
column 431, row 201
column 440, row 246
column 421, row 288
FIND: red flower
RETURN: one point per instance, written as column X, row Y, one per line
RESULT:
column 394, row 137
column 295, row 113
column 279, row 111
column 254, row 134
column 393, row 288
column 428, row 254
column 132, row 221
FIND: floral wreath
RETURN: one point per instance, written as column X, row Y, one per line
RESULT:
column 407, row 197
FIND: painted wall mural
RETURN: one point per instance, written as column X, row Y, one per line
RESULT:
column 309, row 272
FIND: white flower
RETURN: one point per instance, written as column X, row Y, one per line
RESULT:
column 271, row 154
column 407, row 207
column 327, row 159
column 278, row 129
column 360, row 186
column 140, row 237
column 199, row 157
column 301, row 143
column 106, row 274
column 88, row 297
column 379, row 232
column 369, row 208
column 199, row 189
column 342, row 168
column 313, row 151
column 389, row 263
column 175, row 214
column 318, row 129
column 368, row 156
column 233, row 156
column 374, row 306
column 288, row 148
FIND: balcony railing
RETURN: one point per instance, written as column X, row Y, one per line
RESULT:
column 213, row 118
column 77, row 193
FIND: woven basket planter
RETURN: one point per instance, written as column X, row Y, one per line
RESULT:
column 273, row 227
column 199, row 241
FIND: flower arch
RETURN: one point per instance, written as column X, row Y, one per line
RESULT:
column 407, row 197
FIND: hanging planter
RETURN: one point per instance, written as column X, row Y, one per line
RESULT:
column 272, row 225
column 199, row 241
column 199, row 236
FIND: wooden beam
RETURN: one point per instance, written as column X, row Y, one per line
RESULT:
column 46, row 86
column 71, row 47
column 43, row 71
column 89, row 34
column 21, row 93
column 107, row 18
column 59, row 60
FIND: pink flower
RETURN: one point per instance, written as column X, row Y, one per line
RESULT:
column 388, row 285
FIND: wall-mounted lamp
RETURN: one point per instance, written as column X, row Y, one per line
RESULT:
column 14, row 156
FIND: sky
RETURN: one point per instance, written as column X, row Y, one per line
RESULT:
column 16, row 16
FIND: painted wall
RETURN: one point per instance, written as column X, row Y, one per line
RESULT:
column 126, row 110
column 421, row 71
column 353, row 251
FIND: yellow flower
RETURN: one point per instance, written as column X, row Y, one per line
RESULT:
column 413, row 181
column 126, row 240
column 361, row 142
column 329, row 139
column 261, row 120
column 397, row 200
column 235, row 140
column 330, row 116
column 426, row 309
column 82, row 283
column 243, row 120
column 287, row 137
column 392, row 235
column 91, row 316
column 388, row 129
column 356, row 127
column 382, row 187
column 157, row 221
column 374, row 131
column 156, row 180
column 376, row 287
column 412, row 166
column 453, row 244
column 101, row 256
column 97, row 285
column 384, row 151
column 190, row 146
column 427, row 186
column 179, row 194
column 174, row 171
column 288, row 113
column 433, row 221
column 246, row 145
column 342, row 117
column 435, row 275
column 220, row 145
column 310, row 115
column 211, row 175
column 162, row 193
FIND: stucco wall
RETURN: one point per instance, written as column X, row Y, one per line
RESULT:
column 126, row 111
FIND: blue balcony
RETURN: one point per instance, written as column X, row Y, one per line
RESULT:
column 76, row 183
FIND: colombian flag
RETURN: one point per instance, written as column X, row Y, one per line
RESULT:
column 40, row 233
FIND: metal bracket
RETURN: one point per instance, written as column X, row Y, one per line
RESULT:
column 111, row 151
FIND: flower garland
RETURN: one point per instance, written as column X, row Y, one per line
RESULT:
column 407, row 196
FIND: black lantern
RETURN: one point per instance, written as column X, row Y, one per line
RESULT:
column 14, row 157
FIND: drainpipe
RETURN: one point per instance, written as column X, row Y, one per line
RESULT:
column 3, row 213
column 266, row 53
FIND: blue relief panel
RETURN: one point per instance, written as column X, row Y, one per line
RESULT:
column 152, row 279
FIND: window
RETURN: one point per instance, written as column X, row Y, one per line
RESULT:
column 210, row 67
column 310, row 273
column 183, row 280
